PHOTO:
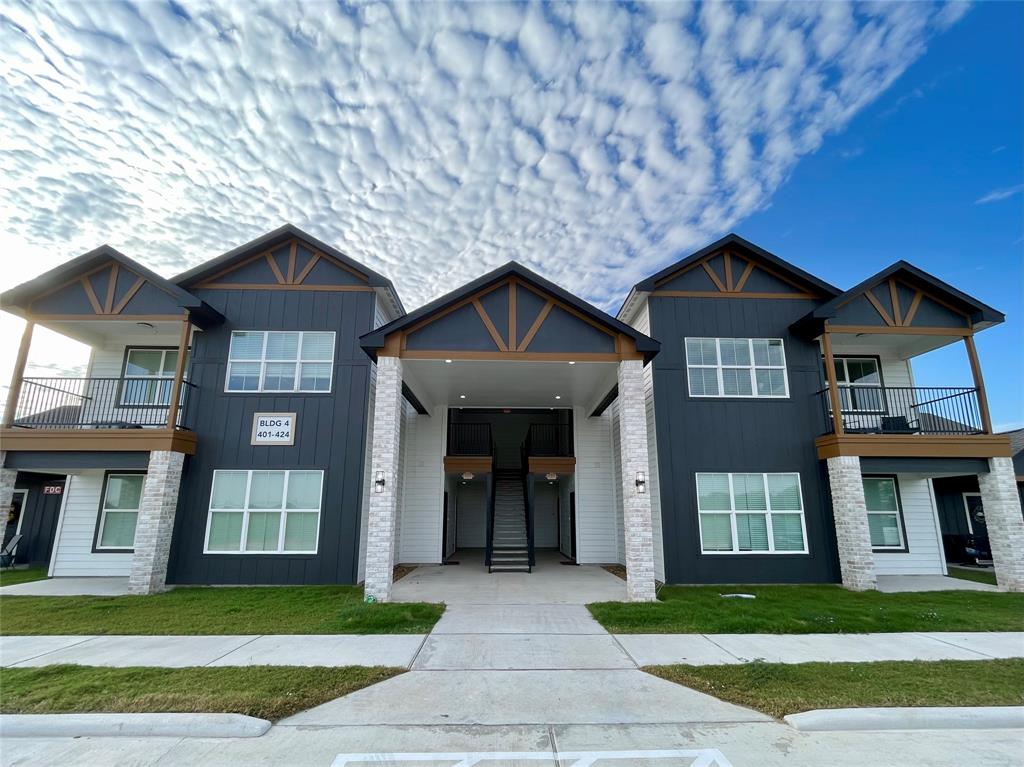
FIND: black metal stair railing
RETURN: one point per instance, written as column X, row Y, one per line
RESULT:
column 904, row 410
column 549, row 439
column 470, row 439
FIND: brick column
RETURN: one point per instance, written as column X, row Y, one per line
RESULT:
column 639, row 533
column 382, row 518
column 1005, row 525
column 156, row 523
column 7, row 480
column 856, row 560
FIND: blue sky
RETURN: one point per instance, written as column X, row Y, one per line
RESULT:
column 595, row 142
column 904, row 181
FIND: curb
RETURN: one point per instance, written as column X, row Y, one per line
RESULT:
column 922, row 718
column 131, row 726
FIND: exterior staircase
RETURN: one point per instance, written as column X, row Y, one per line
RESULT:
column 510, row 550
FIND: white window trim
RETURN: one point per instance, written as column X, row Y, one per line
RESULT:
column 967, row 511
column 126, row 376
column 24, row 503
column 902, row 547
column 752, row 368
column 848, row 385
column 733, row 511
column 247, row 511
column 103, row 511
column 298, row 361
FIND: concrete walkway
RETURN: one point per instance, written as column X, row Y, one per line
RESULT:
column 69, row 587
column 896, row 584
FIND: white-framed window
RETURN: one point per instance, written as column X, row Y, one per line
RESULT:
column 882, row 498
column 273, row 360
column 975, row 514
column 736, row 367
column 119, row 511
column 751, row 513
column 860, row 384
column 264, row 511
column 148, row 377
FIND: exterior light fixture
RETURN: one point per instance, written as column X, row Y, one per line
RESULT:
column 468, row 475
column 641, row 482
column 550, row 476
column 447, row 362
column 558, row 396
column 378, row 483
column 572, row 362
column 462, row 396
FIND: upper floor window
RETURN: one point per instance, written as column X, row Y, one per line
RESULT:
column 148, row 376
column 736, row 367
column 860, row 384
column 750, row 513
column 299, row 361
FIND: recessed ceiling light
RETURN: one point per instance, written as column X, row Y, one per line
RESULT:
column 462, row 396
column 447, row 362
column 558, row 396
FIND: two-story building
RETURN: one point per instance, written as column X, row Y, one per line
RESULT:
column 275, row 416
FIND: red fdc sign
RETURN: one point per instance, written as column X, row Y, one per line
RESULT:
column 53, row 489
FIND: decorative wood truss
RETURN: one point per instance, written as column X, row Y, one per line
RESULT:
column 898, row 313
column 728, row 274
column 288, row 266
column 513, row 313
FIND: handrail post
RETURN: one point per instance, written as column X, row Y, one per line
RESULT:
column 833, row 386
column 179, row 375
column 979, row 384
column 19, row 375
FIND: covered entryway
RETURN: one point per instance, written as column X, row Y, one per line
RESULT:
column 499, row 410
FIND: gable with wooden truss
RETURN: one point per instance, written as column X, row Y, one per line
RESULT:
column 510, row 314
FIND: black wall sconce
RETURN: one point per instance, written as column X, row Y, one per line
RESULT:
column 641, row 482
column 378, row 483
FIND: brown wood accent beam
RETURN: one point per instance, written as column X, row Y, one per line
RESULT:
column 897, row 313
column 324, row 288
column 979, row 384
column 179, row 375
column 745, row 276
column 714, row 277
column 472, row 463
column 539, row 464
column 543, row 315
column 833, row 386
column 275, row 268
column 39, row 319
column 728, row 272
column 416, row 354
column 916, row 302
column 307, row 269
column 709, row 294
column 100, row 440
column 914, row 445
column 108, row 305
column 291, row 262
column 493, row 331
column 87, row 286
column 129, row 295
column 906, row 331
column 18, row 377
column 870, row 296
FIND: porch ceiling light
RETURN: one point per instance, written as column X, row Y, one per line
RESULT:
column 467, row 475
column 378, row 483
column 550, row 476
column 572, row 362
column 447, row 362
column 462, row 396
column 641, row 482
column 558, row 396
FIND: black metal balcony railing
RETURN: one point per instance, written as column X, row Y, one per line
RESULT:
column 904, row 410
column 549, row 439
column 469, row 439
column 98, row 403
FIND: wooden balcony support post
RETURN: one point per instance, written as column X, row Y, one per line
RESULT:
column 979, row 384
column 19, row 375
column 833, row 385
column 179, row 374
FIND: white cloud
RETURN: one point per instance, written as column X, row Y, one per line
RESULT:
column 1000, row 194
column 593, row 142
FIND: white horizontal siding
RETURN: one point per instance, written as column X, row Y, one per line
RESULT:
column 920, row 518
column 422, row 491
column 597, row 537
column 73, row 555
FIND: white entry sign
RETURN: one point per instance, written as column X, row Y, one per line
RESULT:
column 273, row 429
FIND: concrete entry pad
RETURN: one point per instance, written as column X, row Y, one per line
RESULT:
column 517, row 619
column 122, row 651
column 895, row 584
column 521, row 651
column 470, row 583
column 69, row 587
column 523, row 698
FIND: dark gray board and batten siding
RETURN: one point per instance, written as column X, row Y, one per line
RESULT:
column 330, row 435
column 738, row 435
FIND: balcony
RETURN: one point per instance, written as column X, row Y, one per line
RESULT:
column 549, row 440
column 470, row 448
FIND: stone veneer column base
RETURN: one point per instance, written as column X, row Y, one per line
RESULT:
column 1005, row 525
column 7, row 479
column 383, row 512
column 156, row 523
column 853, row 536
column 636, row 512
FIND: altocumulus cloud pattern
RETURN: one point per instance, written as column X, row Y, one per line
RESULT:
column 431, row 141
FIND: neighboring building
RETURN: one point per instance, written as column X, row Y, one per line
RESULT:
column 274, row 416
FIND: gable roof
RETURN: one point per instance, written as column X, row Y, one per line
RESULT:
column 211, row 268
column 979, row 315
column 732, row 240
column 17, row 299
column 375, row 339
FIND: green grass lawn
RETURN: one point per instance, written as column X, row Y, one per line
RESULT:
column 811, row 610
column 981, row 576
column 779, row 689
column 269, row 610
column 11, row 577
column 268, row 692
